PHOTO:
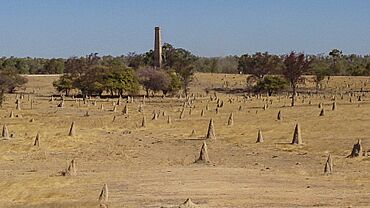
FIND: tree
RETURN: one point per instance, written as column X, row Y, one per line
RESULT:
column 152, row 79
column 295, row 65
column 94, row 75
column 205, row 64
column 182, row 61
column 35, row 65
column 9, row 81
column 258, row 64
column 64, row 84
column 320, row 69
column 22, row 66
column 357, row 70
column 271, row 84
column 86, row 73
column 319, row 75
column 149, row 58
column 228, row 64
column 367, row 70
column 120, row 79
column 175, row 84
column 335, row 53
column 336, row 56
column 53, row 66
column 75, row 66
column 92, row 82
column 134, row 60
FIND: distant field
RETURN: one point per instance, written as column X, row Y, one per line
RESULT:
column 154, row 166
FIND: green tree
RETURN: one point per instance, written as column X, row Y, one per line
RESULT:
column 367, row 70
column 320, row 69
column 135, row 61
column 36, row 65
column 64, row 84
column 22, row 66
column 319, row 76
column 175, row 84
column 182, row 62
column 153, row 79
column 53, row 66
column 10, row 80
column 120, row 79
column 92, row 82
column 258, row 64
column 94, row 75
column 336, row 65
column 271, row 84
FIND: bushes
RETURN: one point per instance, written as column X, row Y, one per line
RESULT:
column 271, row 84
column 92, row 76
column 159, row 80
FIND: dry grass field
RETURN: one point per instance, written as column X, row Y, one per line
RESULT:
column 153, row 166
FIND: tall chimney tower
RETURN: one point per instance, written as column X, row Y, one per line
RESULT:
column 157, row 48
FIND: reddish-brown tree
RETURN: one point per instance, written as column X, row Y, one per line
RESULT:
column 295, row 65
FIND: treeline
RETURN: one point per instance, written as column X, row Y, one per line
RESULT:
column 33, row 65
column 94, row 75
column 334, row 63
column 124, row 75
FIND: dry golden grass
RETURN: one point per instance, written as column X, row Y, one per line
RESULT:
column 154, row 166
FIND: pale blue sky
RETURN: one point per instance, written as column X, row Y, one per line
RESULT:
column 63, row 28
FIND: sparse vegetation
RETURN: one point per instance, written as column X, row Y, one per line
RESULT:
column 113, row 151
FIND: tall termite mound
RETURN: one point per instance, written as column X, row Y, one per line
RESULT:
column 203, row 155
column 356, row 150
column 297, row 138
column 211, row 131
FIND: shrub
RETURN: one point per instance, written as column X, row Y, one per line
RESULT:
column 155, row 80
column 271, row 84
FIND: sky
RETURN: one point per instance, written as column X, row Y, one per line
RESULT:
column 65, row 28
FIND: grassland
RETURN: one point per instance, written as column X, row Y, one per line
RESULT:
column 154, row 166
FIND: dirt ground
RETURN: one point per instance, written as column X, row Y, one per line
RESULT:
column 153, row 166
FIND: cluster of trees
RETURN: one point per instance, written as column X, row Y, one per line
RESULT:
column 273, row 73
column 34, row 65
column 261, row 64
column 94, row 75
column 10, row 80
